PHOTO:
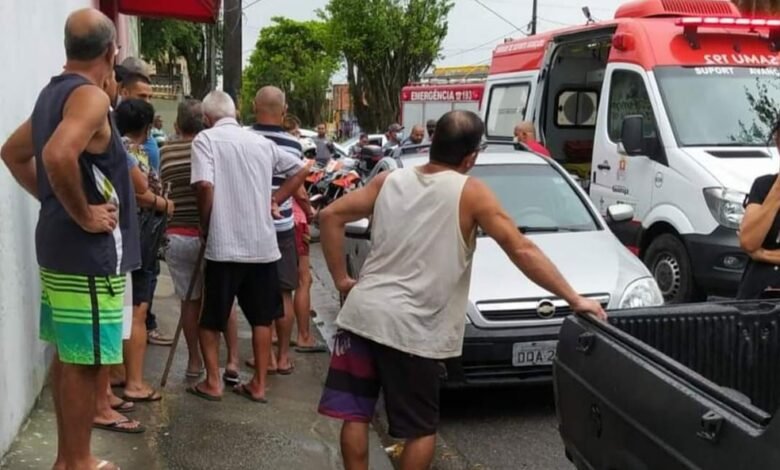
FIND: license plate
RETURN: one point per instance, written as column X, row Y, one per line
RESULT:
column 539, row 353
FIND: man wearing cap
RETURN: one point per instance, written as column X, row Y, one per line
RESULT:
column 394, row 134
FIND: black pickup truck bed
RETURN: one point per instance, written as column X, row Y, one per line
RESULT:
column 687, row 386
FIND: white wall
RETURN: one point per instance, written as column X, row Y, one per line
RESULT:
column 31, row 36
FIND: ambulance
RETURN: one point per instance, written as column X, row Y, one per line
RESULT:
column 667, row 108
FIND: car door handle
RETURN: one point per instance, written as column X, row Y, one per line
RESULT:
column 604, row 166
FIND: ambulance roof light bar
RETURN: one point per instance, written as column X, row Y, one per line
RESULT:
column 691, row 25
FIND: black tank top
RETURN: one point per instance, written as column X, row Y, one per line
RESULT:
column 62, row 245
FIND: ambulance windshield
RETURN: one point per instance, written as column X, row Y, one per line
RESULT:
column 720, row 106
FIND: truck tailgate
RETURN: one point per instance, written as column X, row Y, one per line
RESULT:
column 624, row 405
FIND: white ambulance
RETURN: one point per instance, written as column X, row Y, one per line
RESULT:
column 667, row 108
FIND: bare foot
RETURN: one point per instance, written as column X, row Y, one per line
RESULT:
column 112, row 416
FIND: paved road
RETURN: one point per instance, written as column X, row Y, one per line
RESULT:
column 490, row 428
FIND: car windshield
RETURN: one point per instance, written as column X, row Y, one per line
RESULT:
column 720, row 106
column 537, row 197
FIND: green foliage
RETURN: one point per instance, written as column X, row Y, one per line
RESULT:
column 165, row 40
column 766, row 114
column 385, row 44
column 294, row 56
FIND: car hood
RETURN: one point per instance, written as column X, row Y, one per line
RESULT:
column 732, row 171
column 592, row 262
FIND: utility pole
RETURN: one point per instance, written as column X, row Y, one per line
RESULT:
column 212, row 36
column 231, row 48
column 533, row 18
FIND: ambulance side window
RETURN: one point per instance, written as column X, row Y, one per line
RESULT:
column 506, row 108
column 627, row 96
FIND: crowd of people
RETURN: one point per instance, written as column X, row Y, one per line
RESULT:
column 228, row 202
column 117, row 192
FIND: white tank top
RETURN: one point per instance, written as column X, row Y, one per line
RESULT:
column 412, row 293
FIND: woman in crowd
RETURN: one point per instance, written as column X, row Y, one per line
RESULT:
column 134, row 120
column 759, row 236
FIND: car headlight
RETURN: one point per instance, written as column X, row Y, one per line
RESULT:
column 726, row 205
column 641, row 293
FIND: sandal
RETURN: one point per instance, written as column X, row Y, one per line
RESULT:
column 152, row 397
column 242, row 390
column 103, row 465
column 315, row 348
column 231, row 377
column 156, row 338
column 116, row 426
column 124, row 407
column 194, row 390
column 190, row 374
column 287, row 371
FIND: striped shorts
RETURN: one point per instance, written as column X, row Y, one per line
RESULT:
column 82, row 316
column 361, row 368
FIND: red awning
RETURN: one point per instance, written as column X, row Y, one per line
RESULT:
column 204, row 11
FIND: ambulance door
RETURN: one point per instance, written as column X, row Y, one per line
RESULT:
column 507, row 102
column 617, row 177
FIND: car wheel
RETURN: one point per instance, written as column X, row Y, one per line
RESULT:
column 668, row 261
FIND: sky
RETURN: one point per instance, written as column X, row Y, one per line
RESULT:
column 473, row 30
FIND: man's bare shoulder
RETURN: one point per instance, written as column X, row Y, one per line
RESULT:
column 474, row 191
column 88, row 100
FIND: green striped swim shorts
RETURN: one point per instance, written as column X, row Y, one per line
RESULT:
column 82, row 316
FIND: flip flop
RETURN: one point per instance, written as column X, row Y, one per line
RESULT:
column 103, row 464
column 231, row 377
column 316, row 348
column 252, row 366
column 116, row 426
column 118, row 385
column 241, row 390
column 287, row 371
column 194, row 374
column 151, row 398
column 194, row 390
column 124, row 407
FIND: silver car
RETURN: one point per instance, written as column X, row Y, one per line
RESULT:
column 512, row 324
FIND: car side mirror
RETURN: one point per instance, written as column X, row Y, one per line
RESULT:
column 358, row 229
column 632, row 134
column 618, row 213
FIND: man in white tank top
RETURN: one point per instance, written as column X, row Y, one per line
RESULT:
column 407, row 311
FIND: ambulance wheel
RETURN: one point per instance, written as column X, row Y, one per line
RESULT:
column 668, row 261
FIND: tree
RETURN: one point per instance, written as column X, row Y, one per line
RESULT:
column 385, row 45
column 164, row 41
column 294, row 56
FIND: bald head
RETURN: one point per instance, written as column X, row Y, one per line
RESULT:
column 525, row 131
column 270, row 105
column 457, row 136
column 418, row 134
column 89, row 35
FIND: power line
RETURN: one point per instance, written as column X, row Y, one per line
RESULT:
column 499, row 15
column 553, row 21
column 251, row 5
column 480, row 46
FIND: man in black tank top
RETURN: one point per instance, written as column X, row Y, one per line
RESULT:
column 69, row 156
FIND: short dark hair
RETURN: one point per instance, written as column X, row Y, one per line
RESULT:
column 133, row 116
column 431, row 123
column 91, row 45
column 131, row 78
column 189, row 117
column 457, row 135
column 363, row 134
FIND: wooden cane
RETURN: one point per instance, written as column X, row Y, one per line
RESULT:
column 193, row 279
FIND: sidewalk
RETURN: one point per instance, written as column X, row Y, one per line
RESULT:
column 184, row 432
